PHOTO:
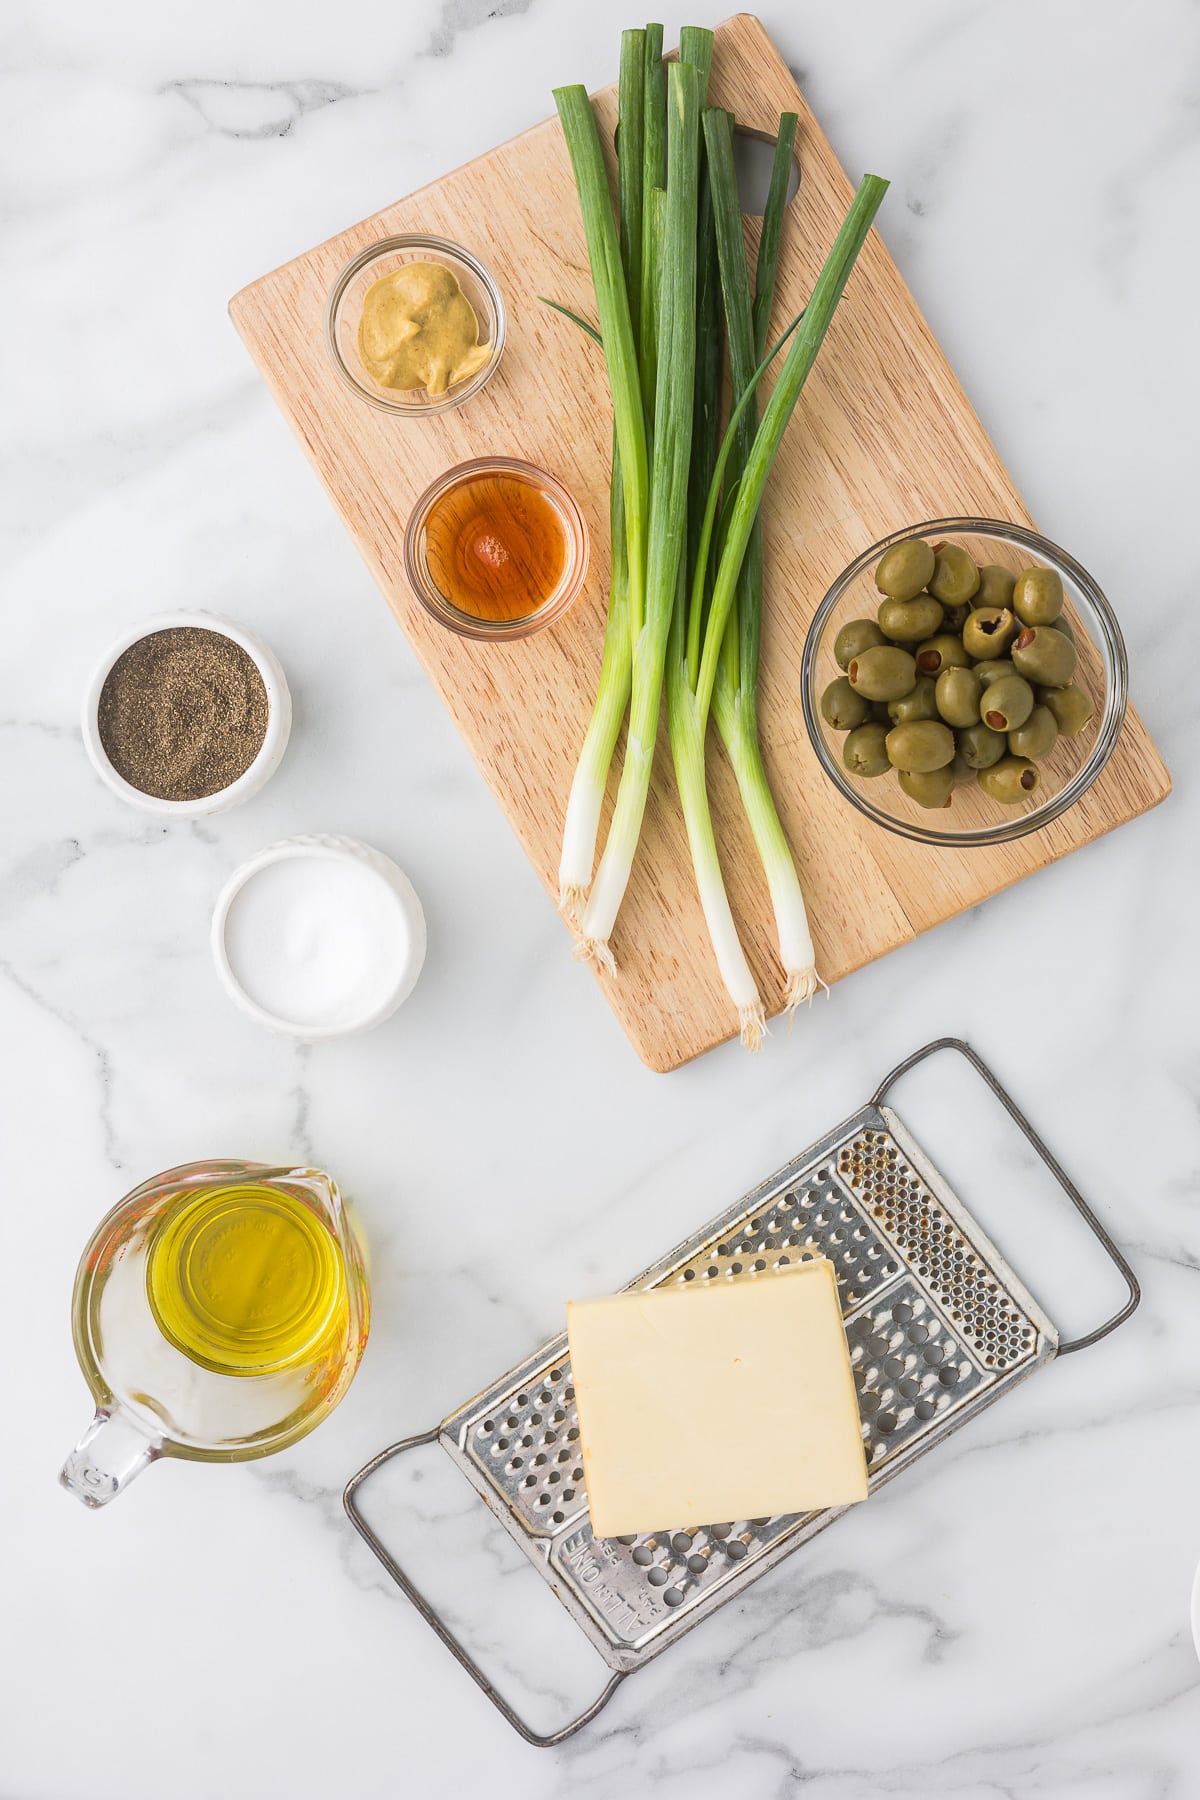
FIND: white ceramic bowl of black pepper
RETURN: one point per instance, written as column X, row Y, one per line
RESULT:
column 266, row 758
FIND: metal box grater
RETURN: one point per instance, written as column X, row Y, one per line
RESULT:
column 938, row 1326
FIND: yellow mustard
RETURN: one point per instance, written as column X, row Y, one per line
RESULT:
column 419, row 330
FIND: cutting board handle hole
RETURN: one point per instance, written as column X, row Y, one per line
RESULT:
column 753, row 156
column 753, row 159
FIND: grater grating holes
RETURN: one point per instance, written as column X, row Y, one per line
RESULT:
column 531, row 1450
column 923, row 1232
column 811, row 1218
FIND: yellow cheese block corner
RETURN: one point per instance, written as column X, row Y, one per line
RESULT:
column 708, row 1404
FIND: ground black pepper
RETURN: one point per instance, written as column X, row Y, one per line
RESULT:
column 183, row 713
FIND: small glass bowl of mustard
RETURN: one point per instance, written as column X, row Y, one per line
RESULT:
column 496, row 549
column 348, row 305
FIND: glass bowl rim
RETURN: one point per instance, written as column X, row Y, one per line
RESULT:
column 1112, row 654
column 468, row 624
column 440, row 247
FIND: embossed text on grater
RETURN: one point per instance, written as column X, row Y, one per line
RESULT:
column 937, row 1326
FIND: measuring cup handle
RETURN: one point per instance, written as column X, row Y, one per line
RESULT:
column 434, row 1618
column 1132, row 1285
column 112, row 1451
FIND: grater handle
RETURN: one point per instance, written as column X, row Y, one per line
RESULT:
column 1133, row 1287
column 432, row 1617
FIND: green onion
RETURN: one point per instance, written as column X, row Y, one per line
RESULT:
column 807, row 342
column 772, row 229
column 722, row 671
column 615, row 321
column 654, row 181
column 575, row 319
column 667, row 521
column 735, row 692
column 686, row 728
column 631, row 110
column 627, row 499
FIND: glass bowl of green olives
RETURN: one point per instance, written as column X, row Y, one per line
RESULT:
column 964, row 681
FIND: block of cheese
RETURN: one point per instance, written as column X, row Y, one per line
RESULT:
column 711, row 1403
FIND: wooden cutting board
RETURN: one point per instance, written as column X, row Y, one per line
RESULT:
column 883, row 436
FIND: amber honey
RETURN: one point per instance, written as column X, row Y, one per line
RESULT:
column 497, row 545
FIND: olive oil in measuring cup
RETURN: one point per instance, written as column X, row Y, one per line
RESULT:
column 220, row 1313
column 245, row 1280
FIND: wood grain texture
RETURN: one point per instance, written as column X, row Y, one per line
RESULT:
column 883, row 436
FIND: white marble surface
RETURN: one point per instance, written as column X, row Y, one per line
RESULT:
column 1011, row 1617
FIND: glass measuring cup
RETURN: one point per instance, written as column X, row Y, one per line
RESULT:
column 219, row 1313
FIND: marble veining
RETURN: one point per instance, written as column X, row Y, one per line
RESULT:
column 1008, row 1620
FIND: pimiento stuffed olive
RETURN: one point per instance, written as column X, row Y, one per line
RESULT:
column 1007, row 703
column 995, row 586
column 1070, row 705
column 957, row 695
column 1036, row 737
column 865, row 751
column 883, row 673
column 1042, row 654
column 854, row 638
column 931, row 788
column 842, row 708
column 942, row 652
column 1011, row 780
column 955, row 577
column 920, row 704
column 988, row 631
column 920, row 745
column 905, row 569
column 909, row 621
column 1038, row 596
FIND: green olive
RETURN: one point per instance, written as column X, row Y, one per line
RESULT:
column 842, row 708
column 980, row 746
column 853, row 639
column 957, row 696
column 1011, row 780
column 1007, row 704
column 930, row 787
column 1070, row 705
column 1063, row 624
column 908, row 621
column 961, row 769
column 881, row 713
column 995, row 586
column 1038, row 596
column 920, row 704
column 988, row 632
column 942, row 652
column 956, row 617
column 993, row 670
column 1044, row 655
column 921, row 745
column 883, row 673
column 955, row 577
column 1037, row 736
column 905, row 569
column 865, row 751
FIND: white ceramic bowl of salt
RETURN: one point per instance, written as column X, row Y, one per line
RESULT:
column 318, row 937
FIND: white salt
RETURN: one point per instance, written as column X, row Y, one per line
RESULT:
column 317, row 939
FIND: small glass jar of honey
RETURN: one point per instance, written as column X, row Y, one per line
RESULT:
column 496, row 549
